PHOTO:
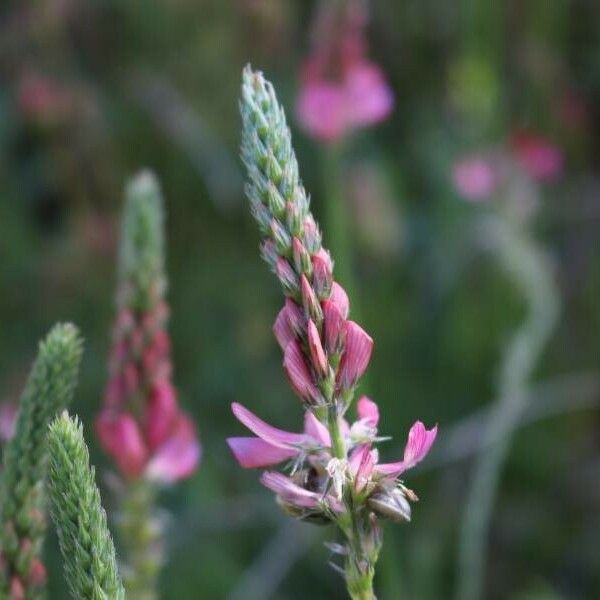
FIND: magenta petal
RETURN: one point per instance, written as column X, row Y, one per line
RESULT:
column 368, row 411
column 361, row 465
column 340, row 299
column 321, row 111
column 298, row 373
column 270, row 434
column 290, row 492
column 282, row 329
column 417, row 447
column 333, row 326
column 357, row 354
column 368, row 97
column 316, row 430
column 475, row 178
column 178, row 457
column 253, row 452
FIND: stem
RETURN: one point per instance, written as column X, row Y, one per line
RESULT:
column 141, row 532
column 531, row 271
column 338, row 447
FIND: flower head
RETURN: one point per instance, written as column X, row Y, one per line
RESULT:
column 141, row 425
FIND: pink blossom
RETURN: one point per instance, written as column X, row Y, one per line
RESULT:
column 298, row 373
column 368, row 411
column 542, row 159
column 357, row 353
column 340, row 298
column 417, row 447
column 317, row 354
column 475, row 178
column 296, row 495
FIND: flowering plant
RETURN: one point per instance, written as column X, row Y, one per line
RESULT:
column 335, row 474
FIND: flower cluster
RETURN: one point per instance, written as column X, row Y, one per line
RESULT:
column 341, row 89
column 141, row 425
column 335, row 472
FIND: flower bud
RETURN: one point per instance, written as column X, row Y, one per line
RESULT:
column 261, row 214
column 301, row 257
column 309, row 301
column 391, row 504
column 275, row 201
column 295, row 218
column 312, row 235
column 299, row 374
column 333, row 327
column 269, row 254
column 272, row 168
column 287, row 277
column 281, row 237
column 357, row 353
column 317, row 354
column 322, row 274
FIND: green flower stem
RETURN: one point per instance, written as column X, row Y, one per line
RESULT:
column 141, row 530
column 85, row 542
column 530, row 270
column 49, row 390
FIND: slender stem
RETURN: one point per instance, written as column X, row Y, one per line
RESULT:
column 337, row 439
column 142, row 536
column 531, row 271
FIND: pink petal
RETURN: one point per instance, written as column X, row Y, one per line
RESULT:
column 368, row 411
column 317, row 354
column 298, row 373
column 179, row 456
column 270, row 434
column 321, row 111
column 333, row 326
column 253, row 452
column 368, row 98
column 120, row 436
column 161, row 412
column 340, row 299
column 539, row 157
column 282, row 329
column 418, row 445
column 316, row 430
column 357, row 353
column 361, row 465
column 290, row 492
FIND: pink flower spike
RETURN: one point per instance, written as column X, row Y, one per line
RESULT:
column 475, row 178
column 333, row 326
column 282, row 329
column 417, row 447
column 314, row 429
column 340, row 299
column 178, row 457
column 369, row 99
column 368, row 411
column 357, row 354
column 298, row 373
column 254, row 453
column 317, row 354
column 268, row 433
column 290, row 492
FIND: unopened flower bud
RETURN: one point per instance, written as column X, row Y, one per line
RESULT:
column 299, row 374
column 281, row 237
column 317, row 354
column 312, row 235
column 322, row 274
column 309, row 301
column 295, row 218
column 333, row 326
column 269, row 254
column 357, row 353
column 273, row 168
column 287, row 277
column 302, row 260
column 262, row 215
column 275, row 201
column 391, row 504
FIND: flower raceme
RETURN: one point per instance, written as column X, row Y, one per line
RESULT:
column 335, row 472
column 305, row 492
column 141, row 425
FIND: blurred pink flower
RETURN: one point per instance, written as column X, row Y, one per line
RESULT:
column 475, row 177
column 42, row 99
column 340, row 89
column 542, row 159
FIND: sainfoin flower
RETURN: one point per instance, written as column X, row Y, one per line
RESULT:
column 542, row 159
column 334, row 469
column 309, row 454
column 475, row 177
column 340, row 89
column 141, row 424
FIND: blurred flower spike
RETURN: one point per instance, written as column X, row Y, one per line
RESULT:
column 340, row 89
column 141, row 425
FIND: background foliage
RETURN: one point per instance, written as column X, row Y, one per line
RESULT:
column 156, row 84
